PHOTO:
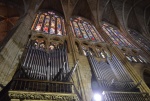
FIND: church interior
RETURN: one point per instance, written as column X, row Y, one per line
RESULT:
column 74, row 50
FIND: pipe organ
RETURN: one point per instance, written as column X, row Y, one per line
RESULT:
column 114, row 81
column 111, row 74
column 51, row 65
column 44, row 68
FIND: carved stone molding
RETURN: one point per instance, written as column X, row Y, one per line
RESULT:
column 42, row 96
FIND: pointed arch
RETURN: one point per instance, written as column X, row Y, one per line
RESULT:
column 116, row 36
column 140, row 39
column 49, row 22
column 83, row 29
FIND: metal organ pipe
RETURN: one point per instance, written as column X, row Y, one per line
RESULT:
column 112, row 75
column 42, row 65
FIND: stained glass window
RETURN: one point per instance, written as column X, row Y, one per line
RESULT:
column 50, row 23
column 140, row 60
column 135, row 58
column 102, row 53
column 39, row 44
column 143, row 41
column 116, row 36
column 84, row 30
column 144, row 60
column 129, row 58
column 88, row 50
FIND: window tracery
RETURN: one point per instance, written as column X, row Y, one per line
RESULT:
column 84, row 30
column 116, row 36
column 49, row 22
column 38, row 44
column 129, row 58
column 134, row 57
column 142, row 58
column 87, row 50
column 102, row 53
column 143, row 41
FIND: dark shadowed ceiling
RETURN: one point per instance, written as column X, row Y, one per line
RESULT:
column 52, row 5
column 109, row 15
column 10, row 11
column 82, row 9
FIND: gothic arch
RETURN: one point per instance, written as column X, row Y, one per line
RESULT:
column 49, row 22
column 84, row 29
column 39, row 35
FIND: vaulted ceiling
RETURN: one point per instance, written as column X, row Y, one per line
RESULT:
column 121, row 13
column 8, row 18
column 52, row 5
column 109, row 14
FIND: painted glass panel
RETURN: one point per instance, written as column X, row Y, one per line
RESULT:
column 129, row 58
column 134, row 59
column 77, row 31
column 52, row 29
column 46, row 24
column 83, row 31
column 119, row 39
column 139, row 38
column 40, row 22
column 97, row 34
column 110, row 35
column 142, row 58
column 88, row 31
column 116, row 36
column 102, row 53
column 93, row 32
column 49, row 22
column 59, row 32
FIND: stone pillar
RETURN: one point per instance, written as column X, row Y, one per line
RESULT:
column 82, row 76
column 12, row 51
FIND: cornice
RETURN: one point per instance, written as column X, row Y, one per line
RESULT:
column 43, row 96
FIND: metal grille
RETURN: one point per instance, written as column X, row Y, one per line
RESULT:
column 44, row 86
column 125, row 96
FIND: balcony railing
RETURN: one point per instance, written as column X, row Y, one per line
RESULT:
column 125, row 96
column 47, row 90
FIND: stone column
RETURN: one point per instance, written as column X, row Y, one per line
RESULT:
column 13, row 50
